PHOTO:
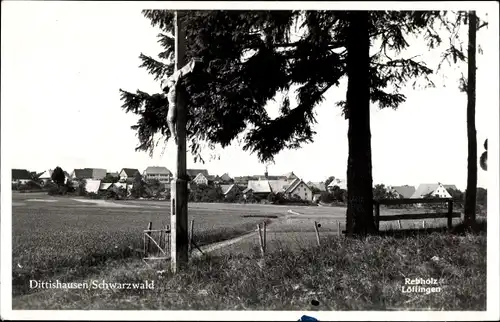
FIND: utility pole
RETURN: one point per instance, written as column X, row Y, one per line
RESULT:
column 179, row 193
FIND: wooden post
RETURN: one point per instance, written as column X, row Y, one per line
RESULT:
column 377, row 215
column 423, row 223
column 190, row 248
column 144, row 245
column 261, row 241
column 160, row 240
column 264, row 239
column 338, row 228
column 167, row 238
column 450, row 214
column 399, row 224
column 179, row 210
column 150, row 227
column 317, row 232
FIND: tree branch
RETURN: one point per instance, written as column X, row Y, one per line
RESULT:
column 485, row 24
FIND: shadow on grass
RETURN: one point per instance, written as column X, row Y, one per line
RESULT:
column 460, row 229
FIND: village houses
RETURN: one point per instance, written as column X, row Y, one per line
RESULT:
column 162, row 174
column 128, row 174
column 288, row 184
column 433, row 189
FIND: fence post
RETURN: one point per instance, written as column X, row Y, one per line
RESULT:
column 450, row 214
column 377, row 215
column 399, row 224
column 150, row 226
column 423, row 223
column 317, row 232
column 144, row 245
column 338, row 228
column 160, row 239
column 261, row 241
column 167, row 238
column 264, row 239
column 190, row 245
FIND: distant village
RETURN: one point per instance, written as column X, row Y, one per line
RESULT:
column 259, row 186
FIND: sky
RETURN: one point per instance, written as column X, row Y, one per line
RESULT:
column 63, row 65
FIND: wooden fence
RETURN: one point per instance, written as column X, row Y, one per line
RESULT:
column 449, row 214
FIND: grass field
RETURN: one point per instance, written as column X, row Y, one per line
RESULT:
column 68, row 240
column 342, row 274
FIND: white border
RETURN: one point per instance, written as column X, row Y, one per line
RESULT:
column 492, row 312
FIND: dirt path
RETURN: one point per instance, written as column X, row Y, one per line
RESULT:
column 215, row 246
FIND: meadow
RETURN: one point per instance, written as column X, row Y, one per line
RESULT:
column 342, row 274
column 61, row 237
column 70, row 240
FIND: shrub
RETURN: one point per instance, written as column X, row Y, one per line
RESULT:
column 326, row 197
column 30, row 185
column 204, row 193
column 54, row 191
column 93, row 195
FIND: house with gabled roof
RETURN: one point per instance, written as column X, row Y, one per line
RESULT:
column 336, row 182
column 162, row 174
column 192, row 173
column 226, row 178
column 128, row 174
column 320, row 186
column 433, row 189
column 299, row 189
column 259, row 188
column 230, row 190
column 402, row 191
column 88, row 173
column 201, row 178
column 46, row 177
column 79, row 174
column 21, row 176
column 296, row 187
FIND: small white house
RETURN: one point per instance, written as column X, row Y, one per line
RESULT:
column 434, row 189
column 300, row 189
column 200, row 179
column 127, row 174
column 341, row 183
column 45, row 177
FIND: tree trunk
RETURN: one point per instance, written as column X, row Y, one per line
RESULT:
column 360, row 219
column 470, row 193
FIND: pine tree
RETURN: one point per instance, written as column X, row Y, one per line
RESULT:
column 58, row 176
column 250, row 57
